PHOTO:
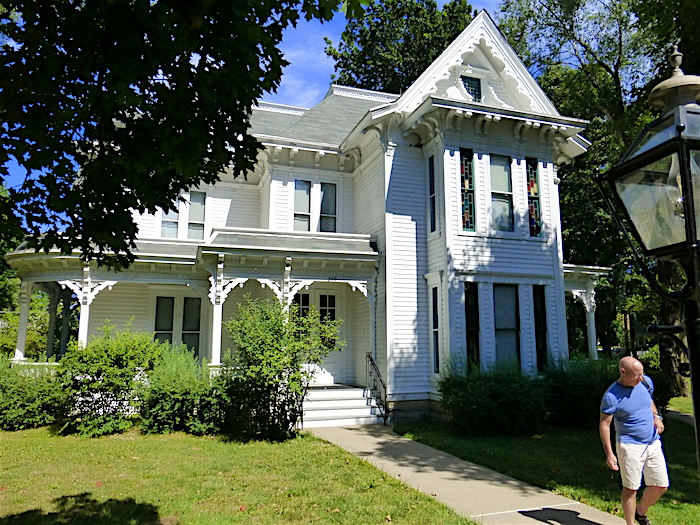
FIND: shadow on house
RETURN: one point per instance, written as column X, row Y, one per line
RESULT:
column 81, row 509
column 558, row 516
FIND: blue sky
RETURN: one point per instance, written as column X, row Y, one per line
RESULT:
column 307, row 78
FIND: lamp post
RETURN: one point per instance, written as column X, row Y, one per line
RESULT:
column 655, row 188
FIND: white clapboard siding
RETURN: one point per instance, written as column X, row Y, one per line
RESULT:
column 125, row 304
column 406, row 267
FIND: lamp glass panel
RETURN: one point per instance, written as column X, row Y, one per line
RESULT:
column 653, row 136
column 692, row 129
column 650, row 204
column 695, row 177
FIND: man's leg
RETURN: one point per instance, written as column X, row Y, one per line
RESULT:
column 629, row 504
column 650, row 496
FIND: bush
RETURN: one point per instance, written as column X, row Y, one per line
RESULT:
column 30, row 396
column 503, row 401
column 179, row 396
column 103, row 380
column 273, row 345
column 575, row 389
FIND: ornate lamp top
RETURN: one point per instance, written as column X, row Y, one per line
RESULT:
column 678, row 90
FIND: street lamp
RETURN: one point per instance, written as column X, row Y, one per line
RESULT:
column 656, row 188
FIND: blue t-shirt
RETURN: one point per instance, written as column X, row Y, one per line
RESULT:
column 631, row 410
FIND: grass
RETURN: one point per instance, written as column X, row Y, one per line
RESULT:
column 178, row 479
column 571, row 463
column 682, row 404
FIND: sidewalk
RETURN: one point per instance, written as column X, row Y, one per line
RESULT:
column 481, row 494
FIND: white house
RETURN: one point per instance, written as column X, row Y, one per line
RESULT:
column 428, row 221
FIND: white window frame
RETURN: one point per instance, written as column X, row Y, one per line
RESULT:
column 315, row 197
column 183, row 218
column 513, row 194
column 178, row 315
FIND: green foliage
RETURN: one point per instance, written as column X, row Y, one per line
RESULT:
column 275, row 354
column 388, row 47
column 574, row 391
column 37, row 329
column 30, row 396
column 103, row 379
column 503, row 402
column 130, row 95
column 178, row 396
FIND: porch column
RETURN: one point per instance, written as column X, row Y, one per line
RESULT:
column 65, row 324
column 587, row 297
column 86, row 291
column 53, row 306
column 25, row 299
column 218, row 292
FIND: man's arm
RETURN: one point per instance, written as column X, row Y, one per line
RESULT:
column 658, row 422
column 604, row 430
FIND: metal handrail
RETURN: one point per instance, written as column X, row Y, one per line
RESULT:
column 374, row 376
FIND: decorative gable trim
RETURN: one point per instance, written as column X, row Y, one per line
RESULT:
column 481, row 51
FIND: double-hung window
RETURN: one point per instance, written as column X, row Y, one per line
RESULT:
column 435, row 328
column 467, row 189
column 471, row 310
column 507, row 320
column 501, row 194
column 187, row 220
column 178, row 320
column 432, row 198
column 315, row 206
column 533, row 197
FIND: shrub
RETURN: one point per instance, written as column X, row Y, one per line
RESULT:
column 575, row 389
column 179, row 396
column 503, row 401
column 30, row 396
column 104, row 377
column 273, row 345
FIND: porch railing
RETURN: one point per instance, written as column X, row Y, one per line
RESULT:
column 376, row 387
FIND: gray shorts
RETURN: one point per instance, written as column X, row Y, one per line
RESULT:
column 635, row 460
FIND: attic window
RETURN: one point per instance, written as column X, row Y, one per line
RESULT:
column 473, row 87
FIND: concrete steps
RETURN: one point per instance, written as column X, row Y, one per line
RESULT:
column 339, row 406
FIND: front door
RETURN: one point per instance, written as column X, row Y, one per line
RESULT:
column 328, row 303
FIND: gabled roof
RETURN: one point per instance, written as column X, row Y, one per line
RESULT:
column 481, row 52
column 327, row 123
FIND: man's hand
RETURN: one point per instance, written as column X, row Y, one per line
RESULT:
column 659, row 424
column 611, row 460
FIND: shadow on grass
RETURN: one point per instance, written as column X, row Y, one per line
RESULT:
column 81, row 509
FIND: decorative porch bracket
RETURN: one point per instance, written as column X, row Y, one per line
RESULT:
column 86, row 291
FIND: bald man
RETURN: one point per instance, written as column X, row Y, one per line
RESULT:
column 638, row 427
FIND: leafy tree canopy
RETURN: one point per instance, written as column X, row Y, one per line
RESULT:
column 394, row 41
column 122, row 105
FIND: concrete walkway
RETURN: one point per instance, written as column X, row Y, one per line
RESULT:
column 481, row 494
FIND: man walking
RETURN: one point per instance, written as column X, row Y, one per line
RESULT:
column 638, row 427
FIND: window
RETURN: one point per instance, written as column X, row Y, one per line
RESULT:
column 315, row 206
column 195, row 221
column 432, row 204
column 302, row 300
column 435, row 328
column 327, row 308
column 473, row 87
column 501, row 194
column 506, row 315
column 467, row 184
column 540, row 308
column 167, row 327
column 533, row 197
column 302, row 205
column 190, row 214
column 471, row 307
column 328, row 207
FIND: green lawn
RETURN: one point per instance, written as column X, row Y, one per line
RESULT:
column 134, row 479
column 681, row 404
column 571, row 463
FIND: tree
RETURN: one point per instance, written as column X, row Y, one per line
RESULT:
column 597, row 60
column 114, row 107
column 394, row 41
